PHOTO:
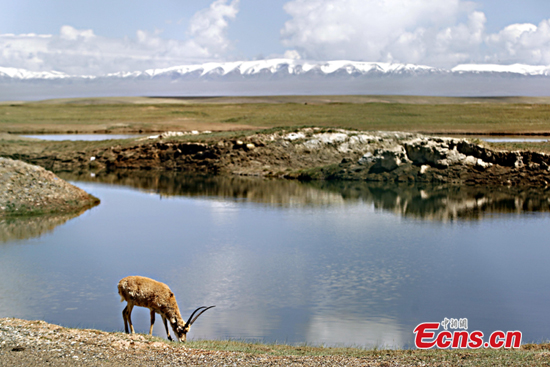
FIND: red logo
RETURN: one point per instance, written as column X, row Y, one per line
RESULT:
column 427, row 336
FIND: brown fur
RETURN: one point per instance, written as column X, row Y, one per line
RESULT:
column 157, row 297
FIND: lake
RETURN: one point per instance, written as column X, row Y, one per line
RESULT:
column 90, row 137
column 80, row 137
column 351, row 264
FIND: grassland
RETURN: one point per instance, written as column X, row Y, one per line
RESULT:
column 526, row 352
column 528, row 355
column 416, row 114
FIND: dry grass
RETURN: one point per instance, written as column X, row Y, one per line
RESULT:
column 420, row 114
column 528, row 355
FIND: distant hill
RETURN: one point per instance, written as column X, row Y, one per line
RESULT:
column 283, row 76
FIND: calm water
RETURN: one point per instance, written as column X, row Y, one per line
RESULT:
column 506, row 138
column 338, row 264
column 59, row 137
column 516, row 139
column 84, row 137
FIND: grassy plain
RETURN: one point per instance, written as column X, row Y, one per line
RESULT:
column 529, row 355
column 403, row 113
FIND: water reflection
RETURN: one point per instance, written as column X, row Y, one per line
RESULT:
column 20, row 228
column 337, row 268
column 257, row 190
column 428, row 202
column 446, row 202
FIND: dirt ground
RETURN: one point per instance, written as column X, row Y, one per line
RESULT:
column 38, row 344
column 27, row 189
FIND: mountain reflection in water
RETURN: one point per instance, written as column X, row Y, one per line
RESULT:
column 428, row 202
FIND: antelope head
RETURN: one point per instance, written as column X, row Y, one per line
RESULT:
column 182, row 330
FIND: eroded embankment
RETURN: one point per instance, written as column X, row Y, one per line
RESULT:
column 313, row 153
column 26, row 189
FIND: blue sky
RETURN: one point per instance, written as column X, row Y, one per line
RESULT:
column 95, row 37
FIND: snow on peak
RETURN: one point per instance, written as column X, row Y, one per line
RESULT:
column 27, row 74
column 494, row 68
column 290, row 66
column 16, row 73
column 285, row 66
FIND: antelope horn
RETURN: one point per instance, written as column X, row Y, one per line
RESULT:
column 192, row 320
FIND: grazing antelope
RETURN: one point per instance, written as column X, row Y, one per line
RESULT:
column 157, row 297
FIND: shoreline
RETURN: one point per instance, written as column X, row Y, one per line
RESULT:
column 311, row 153
column 38, row 343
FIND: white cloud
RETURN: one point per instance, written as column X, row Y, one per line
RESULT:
column 81, row 52
column 521, row 43
column 434, row 32
column 440, row 33
column 208, row 27
column 70, row 33
column 292, row 54
column 358, row 29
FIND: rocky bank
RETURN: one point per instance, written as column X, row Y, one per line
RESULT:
column 37, row 343
column 318, row 154
column 27, row 189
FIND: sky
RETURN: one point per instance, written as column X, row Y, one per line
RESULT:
column 98, row 37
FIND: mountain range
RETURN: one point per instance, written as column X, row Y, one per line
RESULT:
column 284, row 76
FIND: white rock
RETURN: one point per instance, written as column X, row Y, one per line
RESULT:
column 343, row 148
column 331, row 138
column 470, row 161
column 361, row 139
column 481, row 164
column 312, row 144
column 295, row 136
column 388, row 159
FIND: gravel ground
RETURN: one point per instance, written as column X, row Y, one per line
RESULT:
column 37, row 343
column 29, row 189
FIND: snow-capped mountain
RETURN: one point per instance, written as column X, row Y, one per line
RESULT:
column 243, row 68
column 23, row 74
column 283, row 76
column 288, row 67
column 519, row 69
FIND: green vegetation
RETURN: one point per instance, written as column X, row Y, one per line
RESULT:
column 528, row 355
column 13, row 210
column 20, row 148
column 543, row 147
column 421, row 114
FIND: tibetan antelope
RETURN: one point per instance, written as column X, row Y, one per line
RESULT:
column 157, row 297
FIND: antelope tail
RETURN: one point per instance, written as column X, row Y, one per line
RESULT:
column 122, row 299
